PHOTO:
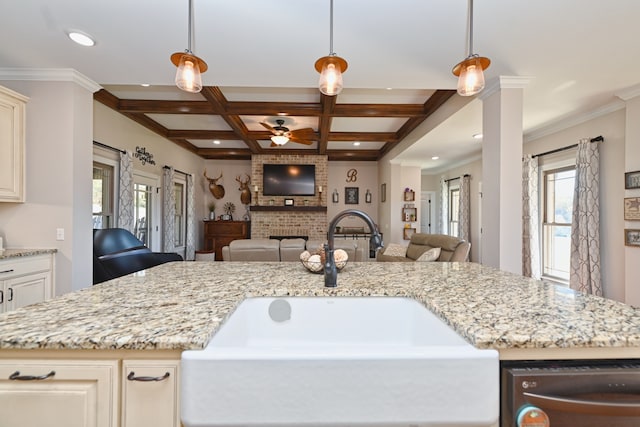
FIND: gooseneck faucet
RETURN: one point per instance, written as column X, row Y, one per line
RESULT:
column 330, row 270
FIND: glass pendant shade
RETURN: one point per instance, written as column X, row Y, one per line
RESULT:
column 470, row 74
column 279, row 139
column 330, row 69
column 189, row 72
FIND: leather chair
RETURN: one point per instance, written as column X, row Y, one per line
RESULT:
column 252, row 250
column 117, row 252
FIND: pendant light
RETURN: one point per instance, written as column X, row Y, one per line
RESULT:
column 331, row 67
column 470, row 70
column 190, row 67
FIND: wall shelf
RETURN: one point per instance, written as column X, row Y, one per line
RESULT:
column 281, row 208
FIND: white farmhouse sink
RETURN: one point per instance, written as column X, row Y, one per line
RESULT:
column 338, row 361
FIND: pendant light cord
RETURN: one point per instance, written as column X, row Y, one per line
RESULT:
column 189, row 27
column 331, row 52
column 470, row 24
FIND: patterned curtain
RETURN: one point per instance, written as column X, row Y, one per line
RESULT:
column 530, row 217
column 444, row 206
column 585, row 234
column 191, row 248
column 464, row 209
column 125, row 192
column 168, row 211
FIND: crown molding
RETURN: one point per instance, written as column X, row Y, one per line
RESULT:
column 50, row 75
column 570, row 121
column 629, row 93
column 504, row 82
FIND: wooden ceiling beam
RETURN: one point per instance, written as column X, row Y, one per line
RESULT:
column 363, row 136
column 165, row 107
column 377, row 110
column 328, row 104
column 224, row 153
column 273, row 108
column 353, row 155
column 107, row 98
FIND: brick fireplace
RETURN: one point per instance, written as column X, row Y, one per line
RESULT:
column 307, row 216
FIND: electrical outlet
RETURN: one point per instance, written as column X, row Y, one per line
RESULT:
column 59, row 233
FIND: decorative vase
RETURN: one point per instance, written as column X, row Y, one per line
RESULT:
column 212, row 215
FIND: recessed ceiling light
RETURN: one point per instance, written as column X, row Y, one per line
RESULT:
column 477, row 136
column 356, row 144
column 435, row 158
column 216, row 142
column 81, row 38
column 145, row 84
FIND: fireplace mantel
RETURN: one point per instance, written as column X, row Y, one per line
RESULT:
column 288, row 208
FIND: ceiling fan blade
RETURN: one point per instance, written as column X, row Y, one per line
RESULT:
column 269, row 127
column 300, row 141
column 305, row 133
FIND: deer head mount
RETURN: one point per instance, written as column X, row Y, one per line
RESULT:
column 245, row 192
column 216, row 189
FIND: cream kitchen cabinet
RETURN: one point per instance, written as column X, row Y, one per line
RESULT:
column 12, row 145
column 59, row 393
column 25, row 280
column 150, row 393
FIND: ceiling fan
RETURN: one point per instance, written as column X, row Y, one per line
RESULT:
column 282, row 135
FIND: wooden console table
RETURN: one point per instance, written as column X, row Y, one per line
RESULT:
column 220, row 233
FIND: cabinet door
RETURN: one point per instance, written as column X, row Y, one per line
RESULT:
column 61, row 393
column 150, row 393
column 26, row 290
column 12, row 137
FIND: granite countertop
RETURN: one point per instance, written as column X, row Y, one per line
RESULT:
column 180, row 305
column 18, row 253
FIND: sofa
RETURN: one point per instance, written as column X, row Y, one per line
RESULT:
column 117, row 252
column 287, row 249
column 452, row 249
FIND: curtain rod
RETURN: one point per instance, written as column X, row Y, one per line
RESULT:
column 176, row 170
column 457, row 177
column 557, row 150
column 100, row 144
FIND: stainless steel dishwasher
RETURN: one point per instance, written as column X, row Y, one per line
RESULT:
column 581, row 393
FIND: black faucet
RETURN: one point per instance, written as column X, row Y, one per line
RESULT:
column 330, row 270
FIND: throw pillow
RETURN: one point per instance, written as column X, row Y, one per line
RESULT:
column 395, row 249
column 430, row 255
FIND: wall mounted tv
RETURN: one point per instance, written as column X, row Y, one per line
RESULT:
column 289, row 180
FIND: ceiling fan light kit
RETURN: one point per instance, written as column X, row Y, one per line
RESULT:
column 190, row 67
column 470, row 71
column 282, row 135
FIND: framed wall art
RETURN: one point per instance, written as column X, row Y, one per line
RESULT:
column 632, row 180
column 632, row 209
column 632, row 237
column 351, row 196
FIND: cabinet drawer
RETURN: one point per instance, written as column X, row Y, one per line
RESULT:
column 24, row 265
column 220, row 228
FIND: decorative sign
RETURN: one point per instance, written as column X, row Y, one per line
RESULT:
column 144, row 156
column 352, row 175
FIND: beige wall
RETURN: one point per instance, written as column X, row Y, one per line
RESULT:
column 58, row 179
column 366, row 178
column 632, row 163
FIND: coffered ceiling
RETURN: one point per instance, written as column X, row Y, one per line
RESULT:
column 579, row 54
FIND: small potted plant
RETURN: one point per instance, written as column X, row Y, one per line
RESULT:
column 212, row 211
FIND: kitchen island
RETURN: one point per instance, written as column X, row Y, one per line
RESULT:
column 153, row 315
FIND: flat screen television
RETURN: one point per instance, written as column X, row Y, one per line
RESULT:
column 288, row 180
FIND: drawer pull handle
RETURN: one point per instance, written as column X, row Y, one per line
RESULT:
column 6, row 271
column 132, row 377
column 17, row 377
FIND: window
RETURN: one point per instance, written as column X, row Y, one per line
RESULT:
column 142, row 212
column 103, row 196
column 454, row 210
column 180, row 218
column 556, row 222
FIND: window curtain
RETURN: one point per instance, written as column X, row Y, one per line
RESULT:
column 125, row 192
column 444, row 206
column 530, row 218
column 585, row 235
column 464, row 209
column 191, row 248
column 168, row 211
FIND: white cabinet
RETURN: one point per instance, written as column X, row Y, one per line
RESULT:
column 59, row 393
column 25, row 280
column 12, row 145
column 150, row 393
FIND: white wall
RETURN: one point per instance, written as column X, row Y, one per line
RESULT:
column 58, row 179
